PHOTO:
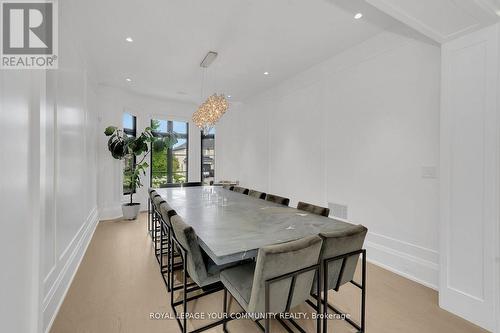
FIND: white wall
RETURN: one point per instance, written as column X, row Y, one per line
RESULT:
column 469, row 239
column 241, row 146
column 48, row 183
column 354, row 130
column 68, row 165
column 113, row 102
column 19, row 200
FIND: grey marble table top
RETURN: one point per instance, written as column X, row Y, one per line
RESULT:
column 233, row 226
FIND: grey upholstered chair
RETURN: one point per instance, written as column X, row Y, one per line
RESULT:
column 339, row 257
column 157, row 200
column 152, row 193
column 201, row 269
column 241, row 190
column 155, row 236
column 272, row 274
column 166, row 242
column 166, row 213
column 195, row 264
column 257, row 194
column 277, row 199
column 313, row 209
column 337, row 243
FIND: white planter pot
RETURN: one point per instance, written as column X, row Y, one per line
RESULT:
column 130, row 211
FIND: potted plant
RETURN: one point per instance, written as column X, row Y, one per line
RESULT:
column 123, row 146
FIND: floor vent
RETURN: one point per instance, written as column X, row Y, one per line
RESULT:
column 337, row 210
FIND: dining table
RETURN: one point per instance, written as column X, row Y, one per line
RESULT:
column 232, row 226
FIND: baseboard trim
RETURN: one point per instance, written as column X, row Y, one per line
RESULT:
column 408, row 265
column 63, row 282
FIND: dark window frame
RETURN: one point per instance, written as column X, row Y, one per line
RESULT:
column 131, row 132
column 204, row 136
column 170, row 125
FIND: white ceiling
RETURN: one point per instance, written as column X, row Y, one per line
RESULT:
column 171, row 37
column 442, row 20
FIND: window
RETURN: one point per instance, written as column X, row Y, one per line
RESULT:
column 208, row 156
column 171, row 164
column 130, row 129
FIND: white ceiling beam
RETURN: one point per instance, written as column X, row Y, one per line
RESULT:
column 442, row 20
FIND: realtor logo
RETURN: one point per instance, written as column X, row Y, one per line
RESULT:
column 29, row 34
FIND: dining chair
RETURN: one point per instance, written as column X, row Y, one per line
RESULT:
column 157, row 201
column 166, row 243
column 323, row 211
column 339, row 258
column 257, row 194
column 277, row 199
column 198, row 266
column 241, row 190
column 151, row 193
column 280, row 278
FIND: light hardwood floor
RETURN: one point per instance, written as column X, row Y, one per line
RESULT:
column 118, row 285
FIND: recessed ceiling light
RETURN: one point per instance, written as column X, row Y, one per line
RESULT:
column 129, row 39
column 266, row 73
column 128, row 79
column 228, row 96
column 358, row 16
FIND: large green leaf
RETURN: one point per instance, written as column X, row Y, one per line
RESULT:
column 159, row 145
column 118, row 150
column 110, row 130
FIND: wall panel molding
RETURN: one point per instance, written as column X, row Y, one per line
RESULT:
column 470, row 177
column 411, row 261
column 57, row 292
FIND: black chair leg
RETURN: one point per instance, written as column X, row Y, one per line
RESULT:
column 363, row 293
column 325, row 298
column 184, row 300
column 224, row 306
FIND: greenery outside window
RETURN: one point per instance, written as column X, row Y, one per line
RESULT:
column 171, row 164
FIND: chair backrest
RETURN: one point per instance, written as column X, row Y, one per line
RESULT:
column 241, row 190
column 228, row 187
column 257, row 194
column 338, row 243
column 166, row 213
column 277, row 199
column 187, row 237
column 280, row 259
column 152, row 194
column 313, row 209
column 187, row 184
column 157, row 200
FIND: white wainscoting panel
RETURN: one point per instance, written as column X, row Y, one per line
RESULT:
column 469, row 173
column 68, row 170
column 55, row 295
column 414, row 262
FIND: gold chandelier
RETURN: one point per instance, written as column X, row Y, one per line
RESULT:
column 214, row 107
column 210, row 111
